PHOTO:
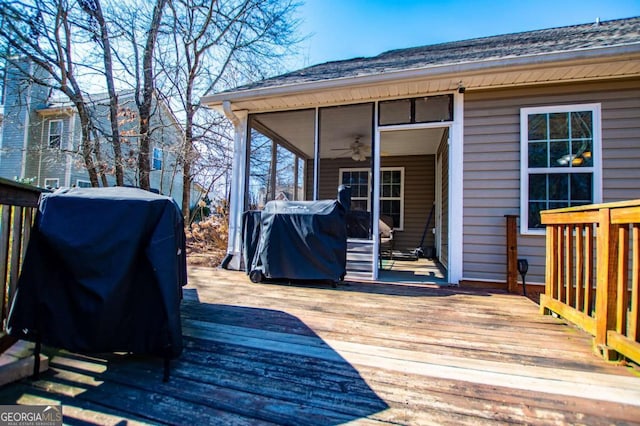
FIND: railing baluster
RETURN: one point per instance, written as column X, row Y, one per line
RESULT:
column 551, row 269
column 561, row 265
column 579, row 270
column 634, row 323
column 5, row 228
column 568, row 267
column 588, row 271
column 623, row 279
column 26, row 233
column 16, row 251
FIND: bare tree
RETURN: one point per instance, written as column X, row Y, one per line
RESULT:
column 102, row 37
column 145, row 103
column 172, row 51
column 46, row 33
column 213, row 45
column 138, row 28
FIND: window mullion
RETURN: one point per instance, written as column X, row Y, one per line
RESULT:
column 548, row 139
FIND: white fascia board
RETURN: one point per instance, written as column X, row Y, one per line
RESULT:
column 458, row 69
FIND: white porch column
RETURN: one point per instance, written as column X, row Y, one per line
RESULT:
column 456, row 164
column 237, row 189
column 375, row 208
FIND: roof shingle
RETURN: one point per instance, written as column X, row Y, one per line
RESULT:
column 564, row 39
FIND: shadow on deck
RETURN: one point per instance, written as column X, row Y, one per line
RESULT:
column 226, row 375
column 365, row 352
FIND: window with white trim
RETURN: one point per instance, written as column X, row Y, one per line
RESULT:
column 391, row 195
column 560, row 160
column 80, row 183
column 391, row 191
column 358, row 180
column 156, row 164
column 52, row 183
column 54, row 134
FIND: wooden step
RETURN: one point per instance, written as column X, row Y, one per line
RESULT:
column 359, row 260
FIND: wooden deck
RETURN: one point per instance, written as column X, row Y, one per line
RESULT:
column 361, row 353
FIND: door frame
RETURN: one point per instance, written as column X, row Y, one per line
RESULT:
column 438, row 206
column 376, row 182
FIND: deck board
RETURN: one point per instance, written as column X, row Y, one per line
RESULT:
column 364, row 353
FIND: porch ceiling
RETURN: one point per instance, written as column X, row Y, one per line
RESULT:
column 341, row 126
column 535, row 70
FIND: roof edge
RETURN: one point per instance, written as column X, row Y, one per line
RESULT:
column 542, row 59
column 56, row 110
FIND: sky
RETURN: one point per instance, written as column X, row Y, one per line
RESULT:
column 345, row 29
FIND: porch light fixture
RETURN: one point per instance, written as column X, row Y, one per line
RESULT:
column 523, row 267
column 358, row 155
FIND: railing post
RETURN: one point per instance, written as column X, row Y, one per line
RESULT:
column 512, row 253
column 551, row 268
column 17, row 205
column 607, row 271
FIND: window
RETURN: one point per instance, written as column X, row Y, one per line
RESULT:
column 52, row 183
column 276, row 164
column 428, row 109
column 560, row 160
column 391, row 192
column 157, row 159
column 83, row 183
column 285, row 170
column 358, row 180
column 55, row 134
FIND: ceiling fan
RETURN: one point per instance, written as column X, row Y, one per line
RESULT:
column 357, row 149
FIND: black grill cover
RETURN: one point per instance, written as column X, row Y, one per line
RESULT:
column 305, row 240
column 250, row 237
column 103, row 272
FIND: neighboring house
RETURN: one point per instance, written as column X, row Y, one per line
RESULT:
column 41, row 139
column 476, row 129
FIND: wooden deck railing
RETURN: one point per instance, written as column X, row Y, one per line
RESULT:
column 18, row 203
column 592, row 273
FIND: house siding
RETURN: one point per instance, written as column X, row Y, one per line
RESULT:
column 20, row 101
column 44, row 162
column 168, row 179
column 419, row 192
column 492, row 165
column 66, row 163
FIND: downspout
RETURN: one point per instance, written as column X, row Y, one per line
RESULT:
column 39, row 181
column 27, row 124
column 238, row 177
column 68, row 154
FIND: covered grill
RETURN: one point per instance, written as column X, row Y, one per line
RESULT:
column 103, row 272
column 300, row 240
